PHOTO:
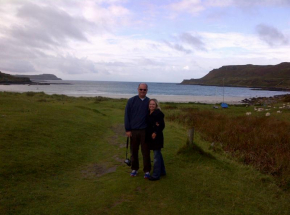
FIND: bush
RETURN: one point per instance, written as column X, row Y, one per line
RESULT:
column 263, row 142
column 30, row 93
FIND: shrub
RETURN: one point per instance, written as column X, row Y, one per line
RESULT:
column 30, row 93
column 263, row 142
column 100, row 99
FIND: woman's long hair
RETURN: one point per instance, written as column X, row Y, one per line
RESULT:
column 156, row 102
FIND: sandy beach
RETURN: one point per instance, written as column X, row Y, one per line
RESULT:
column 161, row 98
column 183, row 98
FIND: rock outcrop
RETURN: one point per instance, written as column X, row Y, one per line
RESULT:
column 270, row 77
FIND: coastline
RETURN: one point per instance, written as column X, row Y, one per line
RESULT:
column 175, row 98
column 231, row 100
column 161, row 98
column 95, row 89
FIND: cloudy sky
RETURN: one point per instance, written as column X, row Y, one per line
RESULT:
column 140, row 40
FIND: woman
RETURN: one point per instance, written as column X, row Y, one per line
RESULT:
column 154, row 137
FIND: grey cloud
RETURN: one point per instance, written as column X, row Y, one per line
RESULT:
column 73, row 65
column 27, row 45
column 178, row 47
column 154, row 46
column 194, row 41
column 34, row 37
column 17, row 59
column 144, row 64
column 113, row 64
column 23, row 49
column 272, row 36
column 16, row 66
column 149, row 62
column 218, row 15
column 261, row 3
column 13, row 50
column 46, row 26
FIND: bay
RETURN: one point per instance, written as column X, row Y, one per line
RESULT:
column 163, row 91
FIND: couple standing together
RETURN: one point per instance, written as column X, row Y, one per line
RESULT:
column 144, row 123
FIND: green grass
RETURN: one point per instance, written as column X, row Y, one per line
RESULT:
column 64, row 155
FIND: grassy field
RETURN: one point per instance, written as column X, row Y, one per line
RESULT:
column 64, row 155
column 255, row 135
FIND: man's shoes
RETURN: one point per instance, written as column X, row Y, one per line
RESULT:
column 147, row 175
column 133, row 173
column 163, row 174
column 153, row 179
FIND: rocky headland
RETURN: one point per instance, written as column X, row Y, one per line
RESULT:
column 10, row 79
column 42, row 77
column 270, row 77
column 6, row 79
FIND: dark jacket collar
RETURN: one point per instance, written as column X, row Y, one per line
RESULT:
column 156, row 112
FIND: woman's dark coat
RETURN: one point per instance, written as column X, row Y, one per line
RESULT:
column 155, row 117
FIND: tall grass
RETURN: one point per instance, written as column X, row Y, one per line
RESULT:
column 263, row 142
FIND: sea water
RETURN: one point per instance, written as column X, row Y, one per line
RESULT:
column 97, row 88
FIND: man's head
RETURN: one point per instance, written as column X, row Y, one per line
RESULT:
column 142, row 90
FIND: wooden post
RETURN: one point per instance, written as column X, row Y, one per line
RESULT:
column 190, row 136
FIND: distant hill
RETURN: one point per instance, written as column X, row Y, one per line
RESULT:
column 271, row 77
column 42, row 77
column 10, row 79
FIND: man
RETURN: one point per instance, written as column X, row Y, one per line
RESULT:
column 135, row 125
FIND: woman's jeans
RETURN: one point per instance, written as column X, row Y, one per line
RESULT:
column 159, row 168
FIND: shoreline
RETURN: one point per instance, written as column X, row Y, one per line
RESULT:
column 277, row 89
column 175, row 98
column 160, row 98
column 212, row 99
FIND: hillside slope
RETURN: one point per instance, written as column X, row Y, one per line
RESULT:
column 40, row 77
column 276, row 77
column 10, row 79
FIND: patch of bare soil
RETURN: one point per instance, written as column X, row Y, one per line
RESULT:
column 118, row 130
column 96, row 170
column 120, row 160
